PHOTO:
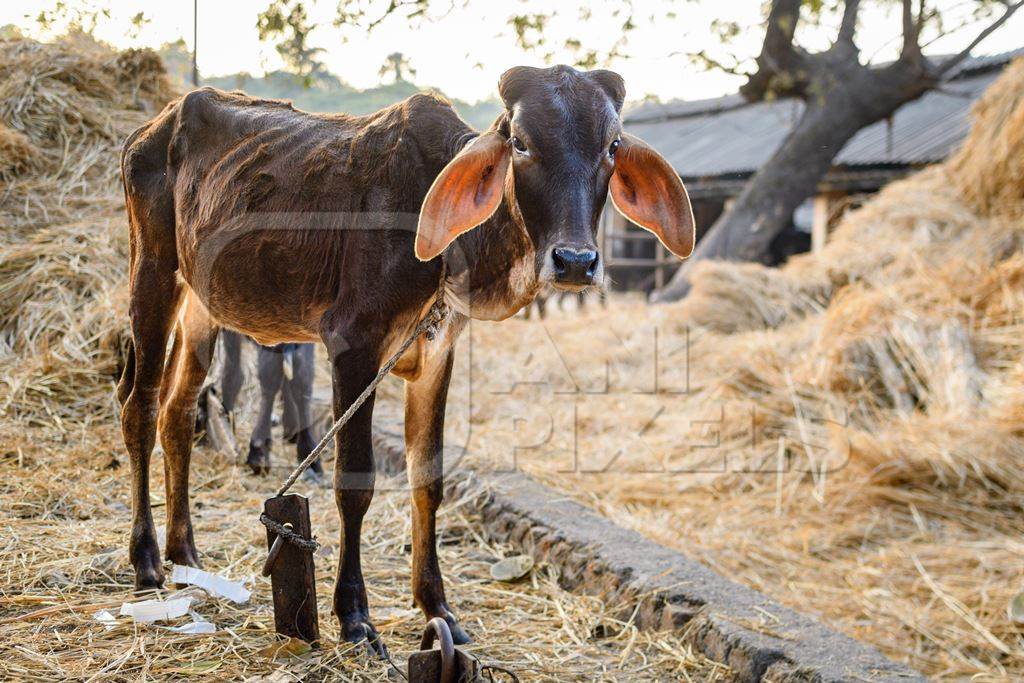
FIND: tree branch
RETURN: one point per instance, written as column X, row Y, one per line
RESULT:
column 710, row 62
column 911, row 51
column 848, row 27
column 778, row 37
column 963, row 54
column 922, row 17
column 392, row 8
column 780, row 60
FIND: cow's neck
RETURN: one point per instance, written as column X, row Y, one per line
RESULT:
column 492, row 268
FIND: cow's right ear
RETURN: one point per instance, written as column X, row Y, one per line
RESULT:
column 465, row 194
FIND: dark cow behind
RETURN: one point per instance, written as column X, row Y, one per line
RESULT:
column 295, row 227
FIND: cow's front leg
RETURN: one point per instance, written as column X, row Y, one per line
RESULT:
column 353, row 370
column 425, row 400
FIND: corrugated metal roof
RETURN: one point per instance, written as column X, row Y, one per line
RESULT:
column 725, row 135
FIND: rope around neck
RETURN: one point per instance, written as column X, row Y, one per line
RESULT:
column 430, row 324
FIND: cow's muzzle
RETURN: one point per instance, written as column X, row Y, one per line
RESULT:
column 573, row 268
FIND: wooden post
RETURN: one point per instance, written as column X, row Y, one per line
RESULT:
column 819, row 224
column 448, row 664
column 425, row 667
column 659, row 265
column 293, row 578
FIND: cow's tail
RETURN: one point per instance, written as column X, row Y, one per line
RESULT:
column 127, row 381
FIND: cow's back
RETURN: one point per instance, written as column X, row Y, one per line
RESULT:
column 259, row 194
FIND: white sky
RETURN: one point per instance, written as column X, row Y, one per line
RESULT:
column 464, row 51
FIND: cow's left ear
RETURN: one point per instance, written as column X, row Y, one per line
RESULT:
column 647, row 190
column 464, row 195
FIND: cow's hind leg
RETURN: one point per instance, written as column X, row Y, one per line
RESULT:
column 425, row 399
column 155, row 295
column 191, row 355
column 124, row 385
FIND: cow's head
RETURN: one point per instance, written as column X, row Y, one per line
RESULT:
column 554, row 155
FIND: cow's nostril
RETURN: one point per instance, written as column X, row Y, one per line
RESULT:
column 558, row 258
column 576, row 266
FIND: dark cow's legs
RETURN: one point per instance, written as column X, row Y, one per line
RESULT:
column 155, row 296
column 353, row 369
column 298, row 397
column 425, row 400
column 231, row 376
column 289, row 420
column 270, row 372
column 191, row 355
column 298, row 392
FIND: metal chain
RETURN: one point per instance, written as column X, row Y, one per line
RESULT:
column 429, row 324
column 287, row 534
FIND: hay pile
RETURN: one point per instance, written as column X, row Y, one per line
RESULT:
column 65, row 108
column 844, row 433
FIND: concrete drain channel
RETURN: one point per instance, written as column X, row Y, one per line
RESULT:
column 757, row 637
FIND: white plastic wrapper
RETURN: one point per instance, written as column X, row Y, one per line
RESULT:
column 197, row 626
column 148, row 611
column 215, row 585
column 108, row 620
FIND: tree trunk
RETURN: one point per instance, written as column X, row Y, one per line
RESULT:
column 765, row 206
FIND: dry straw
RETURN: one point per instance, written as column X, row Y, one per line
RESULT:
column 63, row 521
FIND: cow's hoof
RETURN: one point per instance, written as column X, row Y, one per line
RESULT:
column 459, row 636
column 363, row 633
column 149, row 574
column 183, row 553
column 259, row 458
column 144, row 553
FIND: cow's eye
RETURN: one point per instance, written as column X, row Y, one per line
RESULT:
column 519, row 145
column 614, row 147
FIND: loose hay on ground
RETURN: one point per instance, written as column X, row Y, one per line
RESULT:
column 63, row 514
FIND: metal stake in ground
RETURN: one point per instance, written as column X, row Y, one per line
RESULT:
column 445, row 665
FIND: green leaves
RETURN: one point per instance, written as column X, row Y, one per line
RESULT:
column 287, row 21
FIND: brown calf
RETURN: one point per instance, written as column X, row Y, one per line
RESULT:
column 296, row 227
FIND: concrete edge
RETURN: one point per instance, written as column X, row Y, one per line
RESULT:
column 760, row 639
